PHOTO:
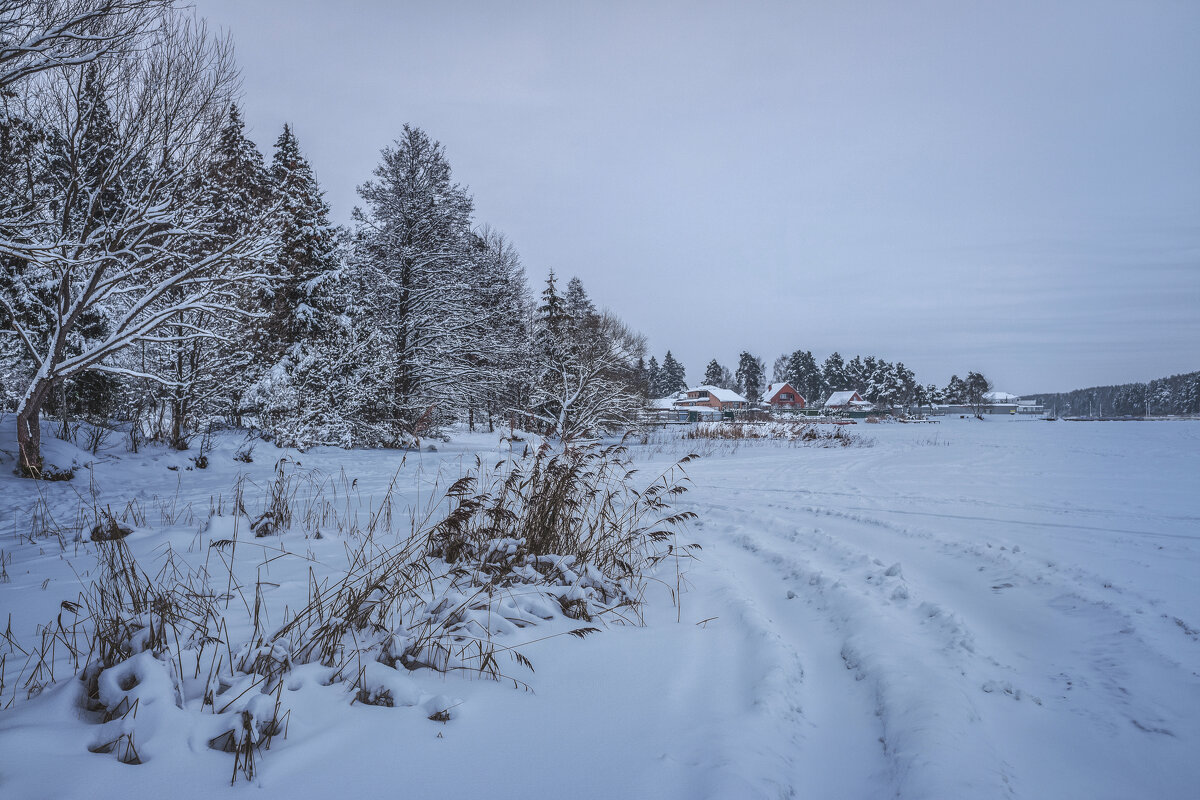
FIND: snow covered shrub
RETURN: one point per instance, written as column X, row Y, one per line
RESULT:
column 793, row 432
column 574, row 517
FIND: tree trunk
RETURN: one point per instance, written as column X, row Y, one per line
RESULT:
column 178, row 438
column 29, row 429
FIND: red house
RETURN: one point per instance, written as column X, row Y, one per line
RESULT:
column 783, row 397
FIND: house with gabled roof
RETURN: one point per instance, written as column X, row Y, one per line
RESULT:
column 713, row 397
column 783, row 397
column 848, row 400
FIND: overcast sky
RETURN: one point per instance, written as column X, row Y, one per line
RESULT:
column 1012, row 187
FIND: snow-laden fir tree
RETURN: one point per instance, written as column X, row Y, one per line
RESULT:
column 672, row 375
column 750, row 376
column 302, row 339
column 833, row 373
column 779, row 369
column 412, row 256
column 714, row 373
column 654, row 378
column 499, row 383
column 805, row 376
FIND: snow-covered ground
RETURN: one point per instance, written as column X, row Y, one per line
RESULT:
column 1008, row 608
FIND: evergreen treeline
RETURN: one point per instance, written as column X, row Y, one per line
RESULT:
column 1178, row 394
column 881, row 382
column 155, row 269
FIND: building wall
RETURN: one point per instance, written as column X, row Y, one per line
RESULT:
column 784, row 404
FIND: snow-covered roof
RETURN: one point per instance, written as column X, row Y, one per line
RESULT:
column 1000, row 397
column 724, row 395
column 840, row 398
column 662, row 402
column 775, row 388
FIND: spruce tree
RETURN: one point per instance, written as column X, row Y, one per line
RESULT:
column 674, row 377
column 208, row 377
column 714, row 373
column 300, row 339
column 413, row 258
column 749, row 376
column 307, row 262
column 833, row 373
column 577, row 303
column 805, row 376
column 654, row 378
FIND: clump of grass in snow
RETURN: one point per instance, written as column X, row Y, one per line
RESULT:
column 793, row 432
column 527, row 541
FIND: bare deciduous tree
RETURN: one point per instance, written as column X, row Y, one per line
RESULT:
column 120, row 232
column 41, row 35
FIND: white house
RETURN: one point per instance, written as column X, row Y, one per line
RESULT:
column 848, row 400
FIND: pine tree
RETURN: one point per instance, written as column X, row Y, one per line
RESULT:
column 500, row 297
column 714, row 373
column 833, row 373
column 805, row 376
column 642, row 378
column 585, row 375
column 977, row 386
column 413, row 257
column 749, row 376
column 674, row 377
column 298, row 341
column 210, row 375
column 308, row 259
column 578, row 305
column 779, row 370
column 101, row 195
column 654, row 378
column 955, row 392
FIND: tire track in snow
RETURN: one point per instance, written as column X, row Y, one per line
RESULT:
column 896, row 649
column 822, row 724
column 1042, row 632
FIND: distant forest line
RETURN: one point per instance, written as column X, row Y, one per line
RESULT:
column 1178, row 394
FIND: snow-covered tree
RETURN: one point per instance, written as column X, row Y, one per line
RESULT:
column 210, row 375
column 749, row 376
column 500, row 380
column 38, row 36
column 977, row 386
column 713, row 373
column 301, row 332
column 654, row 378
column 672, row 375
column 833, row 373
column 138, row 263
column 585, row 373
column 779, row 370
column 412, row 254
column 955, row 392
column 805, row 376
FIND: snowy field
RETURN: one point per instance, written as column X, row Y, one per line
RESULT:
column 996, row 609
